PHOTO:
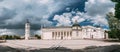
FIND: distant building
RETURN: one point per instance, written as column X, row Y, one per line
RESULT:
column 74, row 32
column 27, row 30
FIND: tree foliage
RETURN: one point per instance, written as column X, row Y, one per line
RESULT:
column 117, row 8
column 114, row 25
column 9, row 37
column 38, row 36
column 114, row 20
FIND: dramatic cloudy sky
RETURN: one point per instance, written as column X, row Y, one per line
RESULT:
column 13, row 14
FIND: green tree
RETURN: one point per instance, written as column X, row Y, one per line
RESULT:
column 9, row 37
column 16, row 37
column 117, row 8
column 38, row 36
column 114, row 25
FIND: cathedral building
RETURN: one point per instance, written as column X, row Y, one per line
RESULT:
column 73, row 32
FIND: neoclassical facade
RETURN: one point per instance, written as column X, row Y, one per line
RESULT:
column 74, row 32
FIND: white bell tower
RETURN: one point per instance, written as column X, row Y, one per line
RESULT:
column 27, row 30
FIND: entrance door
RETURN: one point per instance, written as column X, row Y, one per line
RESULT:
column 91, row 36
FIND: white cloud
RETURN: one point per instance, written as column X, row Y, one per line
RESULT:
column 99, row 20
column 38, row 32
column 18, row 32
column 78, row 18
column 6, row 32
column 68, row 9
column 66, row 19
column 97, row 10
column 98, row 7
column 96, row 13
column 44, row 1
column 63, row 20
column 39, row 11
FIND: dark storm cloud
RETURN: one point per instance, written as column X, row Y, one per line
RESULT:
column 13, row 13
column 72, row 4
column 6, row 14
column 1, row 0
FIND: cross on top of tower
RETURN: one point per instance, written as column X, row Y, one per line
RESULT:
column 76, row 23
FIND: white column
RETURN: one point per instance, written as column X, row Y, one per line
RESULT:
column 63, row 35
column 69, row 34
column 57, row 35
column 53, row 35
column 60, row 35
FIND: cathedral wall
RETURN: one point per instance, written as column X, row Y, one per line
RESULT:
column 77, row 35
column 99, row 35
column 69, row 33
column 73, row 34
column 47, row 35
column 56, row 33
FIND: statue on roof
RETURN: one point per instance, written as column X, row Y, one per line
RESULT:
column 76, row 23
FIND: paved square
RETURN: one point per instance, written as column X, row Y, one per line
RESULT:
column 71, row 44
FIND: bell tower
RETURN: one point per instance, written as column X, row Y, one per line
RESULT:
column 27, row 30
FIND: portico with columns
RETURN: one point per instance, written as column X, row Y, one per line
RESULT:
column 62, row 35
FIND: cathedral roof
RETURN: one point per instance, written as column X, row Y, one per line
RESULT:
column 75, row 25
column 57, row 27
